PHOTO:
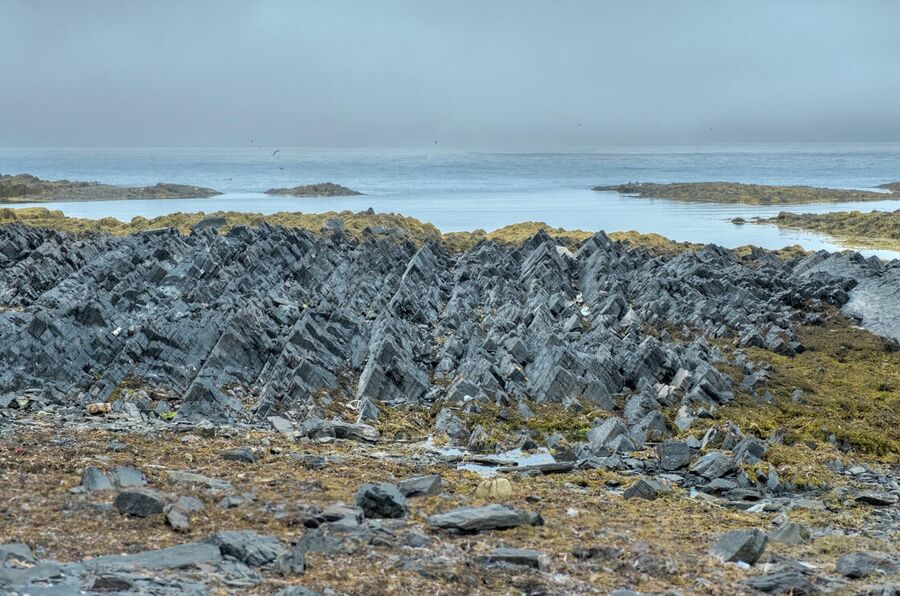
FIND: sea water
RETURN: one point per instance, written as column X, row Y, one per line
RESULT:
column 459, row 189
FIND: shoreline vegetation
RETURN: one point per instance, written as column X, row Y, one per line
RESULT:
column 854, row 229
column 25, row 188
column 749, row 194
column 358, row 225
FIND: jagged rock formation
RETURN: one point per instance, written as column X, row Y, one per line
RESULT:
column 266, row 319
column 25, row 188
column 320, row 189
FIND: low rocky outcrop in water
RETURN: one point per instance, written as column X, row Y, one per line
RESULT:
column 754, row 194
column 875, row 229
column 25, row 188
column 320, row 189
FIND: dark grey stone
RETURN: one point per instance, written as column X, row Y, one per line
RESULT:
column 519, row 556
column 381, row 500
column 863, row 564
column 420, row 486
column 714, row 464
column 240, row 454
column 644, row 488
column 673, row 455
column 740, row 545
column 140, row 502
column 783, row 582
column 247, row 546
column 477, row 519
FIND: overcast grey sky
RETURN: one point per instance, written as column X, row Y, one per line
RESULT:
column 463, row 72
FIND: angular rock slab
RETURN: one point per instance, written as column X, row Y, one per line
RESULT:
column 740, row 545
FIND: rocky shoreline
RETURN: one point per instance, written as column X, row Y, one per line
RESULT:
column 25, row 188
column 875, row 229
column 751, row 194
column 276, row 408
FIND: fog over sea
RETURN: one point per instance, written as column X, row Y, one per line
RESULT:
column 464, row 190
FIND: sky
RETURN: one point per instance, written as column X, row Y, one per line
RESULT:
column 468, row 73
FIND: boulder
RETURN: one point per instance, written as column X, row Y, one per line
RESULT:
column 674, row 455
column 644, row 488
column 740, row 545
column 714, row 464
column 478, row 519
column 381, row 501
column 519, row 556
column 140, row 502
column 247, row 546
column 420, row 486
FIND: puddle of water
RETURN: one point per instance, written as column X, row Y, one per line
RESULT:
column 486, row 465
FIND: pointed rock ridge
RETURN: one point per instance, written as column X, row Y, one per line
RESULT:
column 266, row 319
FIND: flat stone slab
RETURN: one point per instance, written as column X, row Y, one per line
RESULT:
column 477, row 519
column 173, row 557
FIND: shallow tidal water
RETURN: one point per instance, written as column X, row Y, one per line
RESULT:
column 465, row 190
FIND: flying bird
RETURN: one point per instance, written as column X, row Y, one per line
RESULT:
column 276, row 151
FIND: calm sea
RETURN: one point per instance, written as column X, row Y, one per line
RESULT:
column 465, row 190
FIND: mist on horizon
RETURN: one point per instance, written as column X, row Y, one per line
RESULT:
column 500, row 74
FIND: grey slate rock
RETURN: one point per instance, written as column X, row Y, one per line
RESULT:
column 714, row 464
column 16, row 551
column 793, row 583
column 863, row 564
column 673, row 455
column 381, row 501
column 420, row 486
column 127, row 477
column 478, row 519
column 94, row 480
column 790, row 533
column 240, row 454
column 644, row 488
column 519, row 556
column 877, row 499
column 740, row 545
column 140, row 502
column 188, row 504
column 247, row 546
column 175, row 557
column 177, row 520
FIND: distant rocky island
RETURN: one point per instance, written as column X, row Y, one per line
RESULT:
column 320, row 189
column 753, row 194
column 25, row 188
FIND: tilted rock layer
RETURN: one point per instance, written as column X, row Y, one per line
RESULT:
column 290, row 317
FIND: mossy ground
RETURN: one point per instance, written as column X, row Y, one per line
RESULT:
column 850, row 381
column 658, row 545
column 355, row 224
